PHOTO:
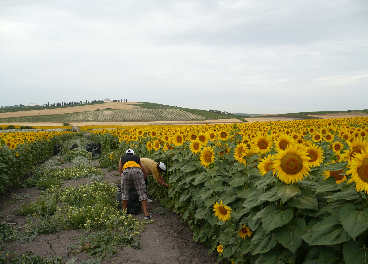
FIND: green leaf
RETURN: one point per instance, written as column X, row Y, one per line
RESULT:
column 328, row 185
column 285, row 191
column 201, row 212
column 304, row 201
column 273, row 218
column 348, row 194
column 263, row 181
column 269, row 195
column 255, row 218
column 262, row 242
column 184, row 196
column 272, row 257
column 329, row 256
column 353, row 254
column 238, row 181
column 201, row 177
column 335, row 166
column 188, row 168
column 290, row 236
column 329, row 231
column 354, row 222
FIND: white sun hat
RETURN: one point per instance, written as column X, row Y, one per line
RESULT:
column 162, row 166
column 129, row 151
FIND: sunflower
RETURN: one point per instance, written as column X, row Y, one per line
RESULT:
column 178, row 139
column 149, row 145
column 357, row 146
column 111, row 156
column 266, row 164
column 220, row 248
column 195, row 146
column 315, row 153
column 282, row 142
column 262, row 143
column 358, row 168
column 222, row 211
column 207, row 156
column 223, row 135
column 193, row 136
column 244, row 232
column 337, row 146
column 203, row 137
column 336, row 174
column 156, row 145
column 329, row 137
column 317, row 137
column 291, row 165
column 240, row 152
column 212, row 135
column 17, row 154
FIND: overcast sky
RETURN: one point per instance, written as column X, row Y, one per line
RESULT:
column 259, row 56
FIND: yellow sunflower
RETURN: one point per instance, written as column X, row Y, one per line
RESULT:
column 111, row 156
column 336, row 174
column 358, row 168
column 262, row 143
column 149, row 145
column 220, row 248
column 266, row 164
column 203, row 137
column 195, row 146
column 329, row 137
column 317, row 137
column 337, row 146
column 282, row 142
column 315, row 153
column 291, row 165
column 156, row 145
column 240, row 152
column 178, row 139
column 223, row 135
column 222, row 211
column 244, row 232
column 207, row 156
column 357, row 146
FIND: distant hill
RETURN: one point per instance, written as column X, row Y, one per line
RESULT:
column 114, row 112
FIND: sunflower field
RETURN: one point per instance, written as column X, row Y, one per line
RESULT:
column 268, row 192
column 21, row 151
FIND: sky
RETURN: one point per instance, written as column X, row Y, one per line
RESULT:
column 255, row 57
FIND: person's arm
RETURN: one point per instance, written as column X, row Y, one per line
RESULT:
column 144, row 169
column 162, row 181
column 120, row 167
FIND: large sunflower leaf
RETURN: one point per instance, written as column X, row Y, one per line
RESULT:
column 329, row 231
column 354, row 254
column 328, row 185
column 272, row 257
column 290, row 236
column 269, row 195
column 348, row 193
column 263, row 181
column 255, row 218
column 184, row 196
column 329, row 256
column 238, row 181
column 285, row 191
column 201, row 177
column 262, row 242
column 306, row 200
column 354, row 222
column 273, row 218
column 335, row 166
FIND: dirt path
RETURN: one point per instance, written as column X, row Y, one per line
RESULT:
column 166, row 240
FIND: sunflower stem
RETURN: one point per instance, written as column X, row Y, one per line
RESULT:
column 362, row 238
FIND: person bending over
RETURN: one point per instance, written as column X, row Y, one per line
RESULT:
column 133, row 172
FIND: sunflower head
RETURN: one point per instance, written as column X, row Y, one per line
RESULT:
column 195, row 146
column 291, row 164
column 244, row 232
column 359, row 171
column 220, row 248
column 222, row 211
column 338, row 175
column 207, row 156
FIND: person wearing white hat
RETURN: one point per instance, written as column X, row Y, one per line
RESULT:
column 155, row 169
column 133, row 171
